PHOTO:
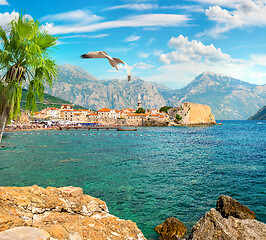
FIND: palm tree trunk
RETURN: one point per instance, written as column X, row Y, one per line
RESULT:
column 3, row 119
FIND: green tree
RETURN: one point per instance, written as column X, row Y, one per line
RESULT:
column 178, row 117
column 164, row 109
column 140, row 110
column 23, row 57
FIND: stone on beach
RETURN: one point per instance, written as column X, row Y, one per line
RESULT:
column 171, row 228
column 64, row 213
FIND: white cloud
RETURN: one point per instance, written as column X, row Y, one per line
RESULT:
column 6, row 18
column 145, row 20
column 144, row 54
column 58, row 42
column 189, row 8
column 150, row 6
column 150, row 41
column 259, row 77
column 259, row 59
column 157, row 52
column 86, row 36
column 132, row 38
column 142, row 65
column 123, row 67
column 3, row 2
column 224, row 3
column 241, row 13
column 194, row 51
column 73, row 16
column 137, row 7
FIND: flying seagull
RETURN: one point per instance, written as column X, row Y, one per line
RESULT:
column 113, row 61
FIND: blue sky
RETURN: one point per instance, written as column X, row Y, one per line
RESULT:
column 169, row 42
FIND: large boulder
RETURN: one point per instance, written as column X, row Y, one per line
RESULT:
column 213, row 226
column 228, row 206
column 191, row 114
column 171, row 228
column 63, row 213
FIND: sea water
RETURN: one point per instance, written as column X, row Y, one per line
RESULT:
column 148, row 175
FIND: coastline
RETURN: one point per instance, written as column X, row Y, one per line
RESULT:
column 27, row 129
column 60, row 128
column 66, row 213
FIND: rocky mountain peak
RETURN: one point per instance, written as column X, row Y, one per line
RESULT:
column 74, row 74
column 220, row 81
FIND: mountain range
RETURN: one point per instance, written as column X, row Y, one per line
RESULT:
column 229, row 98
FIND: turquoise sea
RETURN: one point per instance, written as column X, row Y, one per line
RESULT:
column 148, row 175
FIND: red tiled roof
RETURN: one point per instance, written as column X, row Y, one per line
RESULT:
column 128, row 109
column 104, row 110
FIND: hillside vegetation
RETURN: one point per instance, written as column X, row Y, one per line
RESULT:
column 48, row 101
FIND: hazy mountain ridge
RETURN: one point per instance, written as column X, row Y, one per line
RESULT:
column 229, row 98
column 260, row 115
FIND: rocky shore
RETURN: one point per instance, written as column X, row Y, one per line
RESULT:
column 59, row 213
column 31, row 213
column 229, row 221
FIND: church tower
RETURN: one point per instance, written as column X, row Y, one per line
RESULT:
column 139, row 102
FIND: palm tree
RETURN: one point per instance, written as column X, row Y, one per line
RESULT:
column 24, row 60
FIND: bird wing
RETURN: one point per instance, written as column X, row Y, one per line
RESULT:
column 112, row 61
column 98, row 54
column 128, row 68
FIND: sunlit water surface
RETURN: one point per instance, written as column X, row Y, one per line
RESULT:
column 148, row 175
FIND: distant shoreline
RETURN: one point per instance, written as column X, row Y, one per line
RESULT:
column 105, row 127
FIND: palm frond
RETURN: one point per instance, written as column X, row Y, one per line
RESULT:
column 24, row 56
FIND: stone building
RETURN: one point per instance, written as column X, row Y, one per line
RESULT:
column 136, row 119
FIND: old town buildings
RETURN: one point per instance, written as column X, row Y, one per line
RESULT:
column 104, row 116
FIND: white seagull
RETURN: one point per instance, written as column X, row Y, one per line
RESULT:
column 113, row 61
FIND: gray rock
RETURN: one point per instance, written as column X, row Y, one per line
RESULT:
column 215, row 227
column 228, row 206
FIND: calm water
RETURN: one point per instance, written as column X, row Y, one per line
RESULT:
column 148, row 175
